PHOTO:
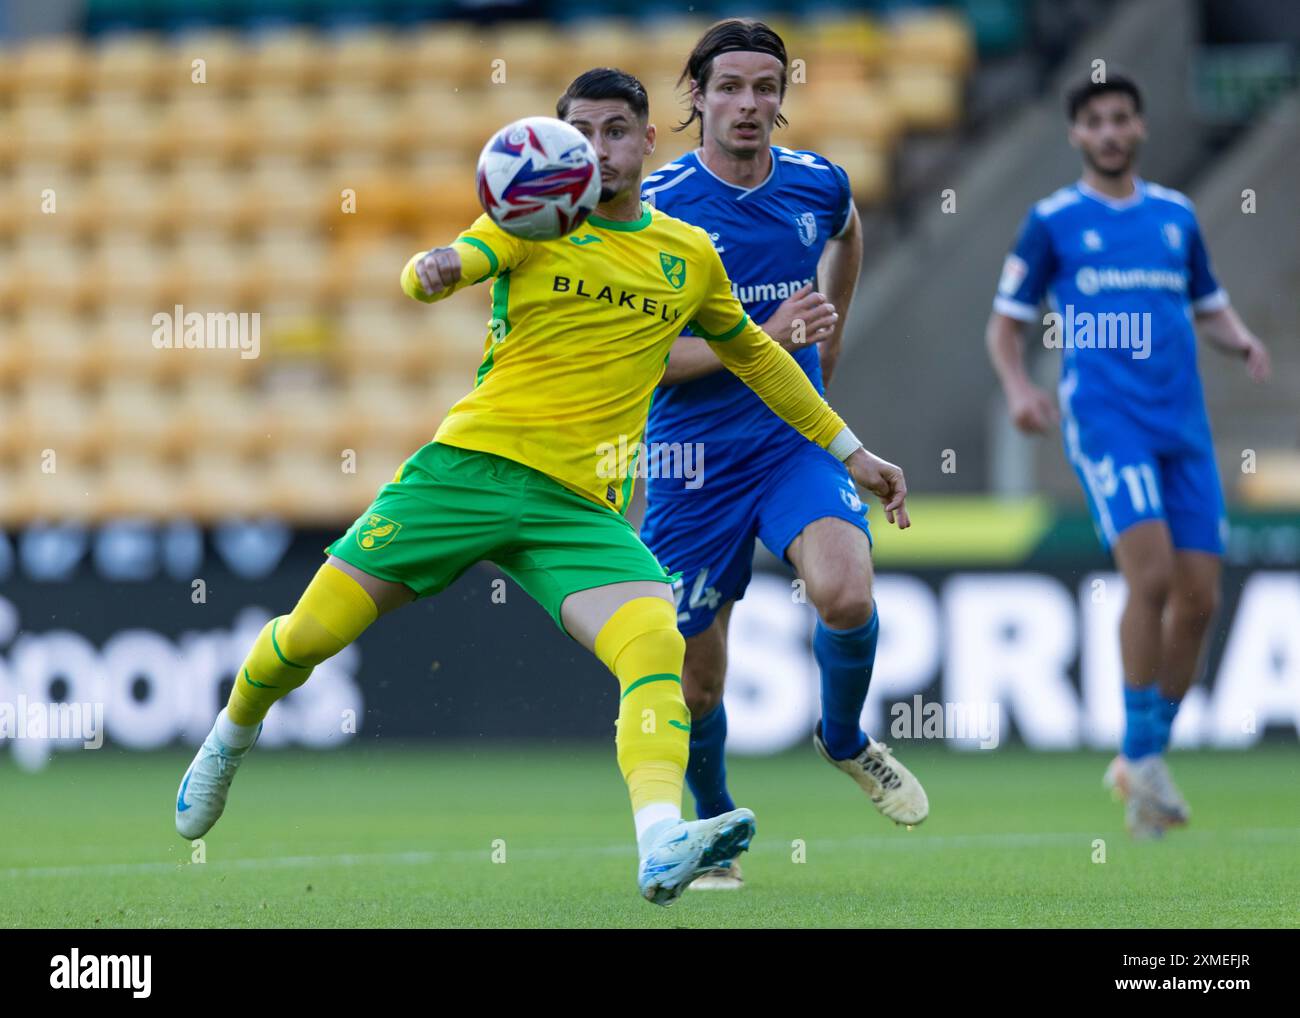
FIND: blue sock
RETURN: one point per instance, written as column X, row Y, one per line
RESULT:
column 1141, row 735
column 1165, row 711
column 706, row 772
column 845, row 657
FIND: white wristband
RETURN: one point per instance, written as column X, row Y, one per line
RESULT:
column 844, row 445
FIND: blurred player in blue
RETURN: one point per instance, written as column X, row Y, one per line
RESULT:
column 1125, row 268
column 774, row 216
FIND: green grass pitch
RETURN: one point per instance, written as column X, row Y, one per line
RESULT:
column 405, row 837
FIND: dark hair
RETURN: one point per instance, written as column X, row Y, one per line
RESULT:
column 1079, row 95
column 734, row 35
column 605, row 83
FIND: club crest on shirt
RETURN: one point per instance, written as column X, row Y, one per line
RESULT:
column 1173, row 236
column 376, row 532
column 674, row 270
column 807, row 224
column 1092, row 240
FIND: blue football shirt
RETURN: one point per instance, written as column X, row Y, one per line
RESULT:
column 1124, row 278
column 770, row 238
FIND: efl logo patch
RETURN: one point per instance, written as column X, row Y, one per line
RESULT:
column 376, row 532
column 1014, row 271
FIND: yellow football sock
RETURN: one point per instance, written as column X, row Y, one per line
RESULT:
column 332, row 612
column 640, row 644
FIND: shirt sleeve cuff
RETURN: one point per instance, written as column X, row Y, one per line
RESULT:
column 1216, row 301
column 1015, row 309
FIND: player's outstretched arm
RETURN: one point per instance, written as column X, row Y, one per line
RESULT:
column 479, row 253
column 432, row 275
column 1030, row 407
column 1225, row 329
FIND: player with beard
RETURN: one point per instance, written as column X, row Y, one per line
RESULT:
column 1125, row 268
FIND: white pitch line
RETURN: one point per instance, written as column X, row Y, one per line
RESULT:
column 422, row 858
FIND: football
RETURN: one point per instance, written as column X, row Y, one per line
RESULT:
column 538, row 178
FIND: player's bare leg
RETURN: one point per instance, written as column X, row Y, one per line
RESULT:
column 833, row 558
column 338, row 604
column 1189, row 613
column 1146, row 557
column 632, row 628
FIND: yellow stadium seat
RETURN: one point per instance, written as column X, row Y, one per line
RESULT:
column 448, row 52
column 134, row 483
column 289, row 260
column 938, row 40
column 854, row 109
column 215, row 483
column 129, row 63
column 209, row 267
column 352, row 117
column 131, row 265
column 45, row 127
column 45, row 268
column 125, row 194
column 310, row 487
column 69, row 494
column 599, row 43
column 136, row 414
column 53, row 64
column 224, row 62
column 202, row 192
column 1276, row 481
column 123, row 126
column 57, row 344
column 123, row 340
column 220, row 413
column 926, row 100
column 362, row 57
column 527, row 50
column 54, row 414
column 289, row 57
column 199, row 121
column 868, row 166
column 281, row 120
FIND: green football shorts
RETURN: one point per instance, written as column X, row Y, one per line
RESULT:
column 448, row 508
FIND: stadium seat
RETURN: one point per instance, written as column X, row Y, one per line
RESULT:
column 45, row 127
column 225, row 59
column 132, row 483
column 939, row 40
column 450, row 52
column 126, row 194
column 1275, row 482
column 926, row 99
column 217, row 484
column 127, row 63
column 54, row 65
column 281, row 120
column 137, row 416
column 290, row 57
column 362, row 57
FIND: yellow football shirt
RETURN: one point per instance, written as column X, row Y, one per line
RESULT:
column 580, row 332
